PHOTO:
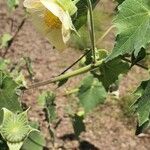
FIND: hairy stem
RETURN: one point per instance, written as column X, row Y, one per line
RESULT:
column 75, row 73
column 67, row 75
column 91, row 28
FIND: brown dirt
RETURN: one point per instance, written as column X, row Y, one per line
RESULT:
column 106, row 130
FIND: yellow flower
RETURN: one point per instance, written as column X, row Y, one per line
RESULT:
column 52, row 19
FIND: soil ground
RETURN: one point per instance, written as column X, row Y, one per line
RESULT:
column 108, row 128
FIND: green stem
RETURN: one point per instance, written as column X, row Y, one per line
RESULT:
column 105, row 34
column 91, row 28
column 71, row 92
column 67, row 75
column 75, row 73
column 87, row 52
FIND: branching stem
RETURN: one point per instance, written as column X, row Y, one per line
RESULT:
column 75, row 73
column 67, row 75
column 101, row 38
column 73, row 64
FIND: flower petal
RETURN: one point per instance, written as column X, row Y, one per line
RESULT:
column 54, row 35
column 68, row 5
column 30, row 4
column 51, row 20
column 62, row 15
column 54, row 8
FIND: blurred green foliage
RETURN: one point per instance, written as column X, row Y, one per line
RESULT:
column 12, row 4
column 82, row 41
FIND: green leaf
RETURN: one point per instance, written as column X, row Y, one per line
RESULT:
column 12, row 4
column 5, row 40
column 141, row 55
column 15, row 128
column 35, row 141
column 91, row 93
column 78, row 123
column 81, row 17
column 110, row 71
column 120, row 1
column 3, row 64
column 20, row 80
column 8, row 94
column 142, row 104
column 47, row 100
column 133, row 23
column 14, row 146
column 17, row 75
column 141, row 128
column 42, row 99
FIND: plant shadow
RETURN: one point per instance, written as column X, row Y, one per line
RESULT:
column 83, row 145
